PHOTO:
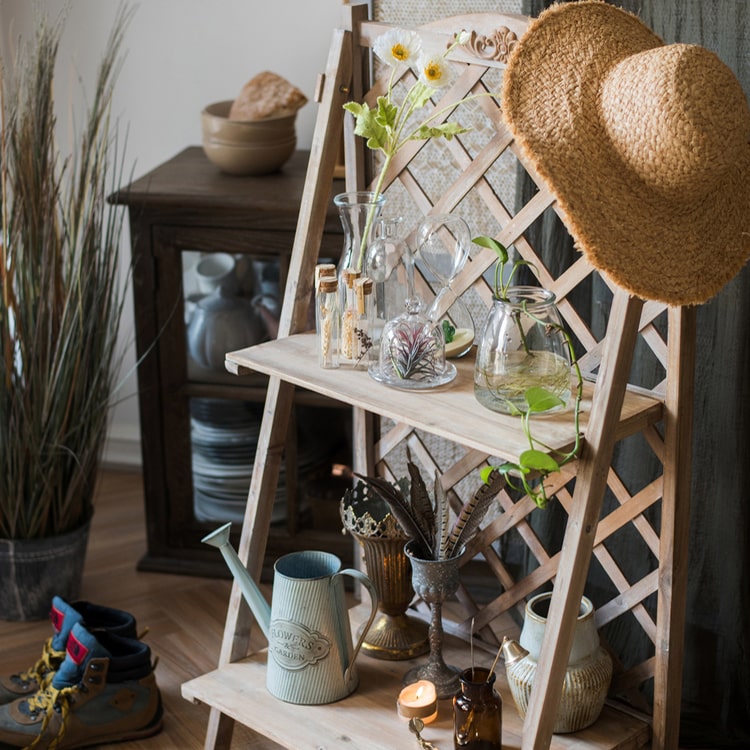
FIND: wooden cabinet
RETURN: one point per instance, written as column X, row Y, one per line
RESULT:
column 181, row 212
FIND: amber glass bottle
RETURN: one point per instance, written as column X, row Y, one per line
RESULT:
column 477, row 712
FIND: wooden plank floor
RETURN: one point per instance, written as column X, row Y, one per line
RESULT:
column 184, row 615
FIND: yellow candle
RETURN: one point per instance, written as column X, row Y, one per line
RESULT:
column 418, row 700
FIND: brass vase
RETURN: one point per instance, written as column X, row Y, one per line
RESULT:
column 393, row 635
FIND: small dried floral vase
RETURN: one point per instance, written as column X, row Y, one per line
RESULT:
column 522, row 346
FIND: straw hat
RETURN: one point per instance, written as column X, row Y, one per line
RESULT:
column 645, row 145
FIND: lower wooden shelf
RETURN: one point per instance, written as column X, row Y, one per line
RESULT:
column 368, row 718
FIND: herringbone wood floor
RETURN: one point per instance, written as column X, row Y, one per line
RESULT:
column 184, row 615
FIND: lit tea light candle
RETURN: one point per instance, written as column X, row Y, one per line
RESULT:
column 418, row 700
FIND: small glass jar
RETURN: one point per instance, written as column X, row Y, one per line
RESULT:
column 327, row 321
column 522, row 346
column 477, row 712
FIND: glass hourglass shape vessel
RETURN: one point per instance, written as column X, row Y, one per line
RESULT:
column 443, row 244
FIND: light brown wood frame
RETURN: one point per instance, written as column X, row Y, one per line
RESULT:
column 614, row 409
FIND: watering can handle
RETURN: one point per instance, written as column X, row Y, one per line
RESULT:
column 370, row 586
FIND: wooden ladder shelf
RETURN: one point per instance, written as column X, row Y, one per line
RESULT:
column 613, row 410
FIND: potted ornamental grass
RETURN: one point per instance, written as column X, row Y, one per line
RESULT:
column 61, row 301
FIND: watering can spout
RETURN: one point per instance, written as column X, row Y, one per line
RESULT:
column 260, row 608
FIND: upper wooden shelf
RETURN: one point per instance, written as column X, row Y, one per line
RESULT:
column 451, row 411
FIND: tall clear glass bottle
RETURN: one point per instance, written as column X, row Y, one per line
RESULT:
column 327, row 321
column 348, row 301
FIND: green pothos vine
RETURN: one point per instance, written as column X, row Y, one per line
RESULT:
column 536, row 464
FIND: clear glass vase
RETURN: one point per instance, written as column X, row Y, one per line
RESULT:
column 359, row 213
column 522, row 346
column 443, row 244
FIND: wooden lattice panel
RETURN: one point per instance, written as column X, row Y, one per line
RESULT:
column 467, row 180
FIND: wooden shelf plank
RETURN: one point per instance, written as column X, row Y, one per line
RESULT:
column 368, row 719
column 451, row 412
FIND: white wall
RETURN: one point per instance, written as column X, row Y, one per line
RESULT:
column 181, row 55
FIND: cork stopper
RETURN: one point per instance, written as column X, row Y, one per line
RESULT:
column 328, row 284
column 350, row 275
column 324, row 270
column 362, row 288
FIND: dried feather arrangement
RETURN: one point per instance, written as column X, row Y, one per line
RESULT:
column 428, row 524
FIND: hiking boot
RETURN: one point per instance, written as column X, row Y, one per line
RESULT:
column 104, row 691
column 63, row 617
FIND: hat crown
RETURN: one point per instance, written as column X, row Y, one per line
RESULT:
column 677, row 117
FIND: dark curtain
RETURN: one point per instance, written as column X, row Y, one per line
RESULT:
column 716, row 674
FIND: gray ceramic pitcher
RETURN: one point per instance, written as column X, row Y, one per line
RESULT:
column 310, row 650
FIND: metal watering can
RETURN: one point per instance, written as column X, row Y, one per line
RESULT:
column 310, row 650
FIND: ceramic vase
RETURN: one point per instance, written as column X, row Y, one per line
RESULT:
column 588, row 674
column 32, row 571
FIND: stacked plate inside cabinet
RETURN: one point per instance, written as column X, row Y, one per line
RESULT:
column 224, row 437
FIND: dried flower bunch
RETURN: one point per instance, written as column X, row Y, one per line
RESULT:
column 62, row 299
column 428, row 524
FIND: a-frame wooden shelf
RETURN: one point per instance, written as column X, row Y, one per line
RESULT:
column 657, row 413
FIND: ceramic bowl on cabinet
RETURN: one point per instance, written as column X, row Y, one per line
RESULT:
column 247, row 147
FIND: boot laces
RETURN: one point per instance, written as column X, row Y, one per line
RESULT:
column 51, row 700
column 45, row 667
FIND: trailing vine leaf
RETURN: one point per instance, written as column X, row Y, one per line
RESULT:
column 538, row 461
column 540, row 400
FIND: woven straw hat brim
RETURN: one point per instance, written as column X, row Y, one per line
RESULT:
column 679, row 242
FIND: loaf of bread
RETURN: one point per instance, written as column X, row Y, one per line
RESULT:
column 265, row 95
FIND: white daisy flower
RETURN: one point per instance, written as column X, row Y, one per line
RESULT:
column 397, row 47
column 434, row 70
